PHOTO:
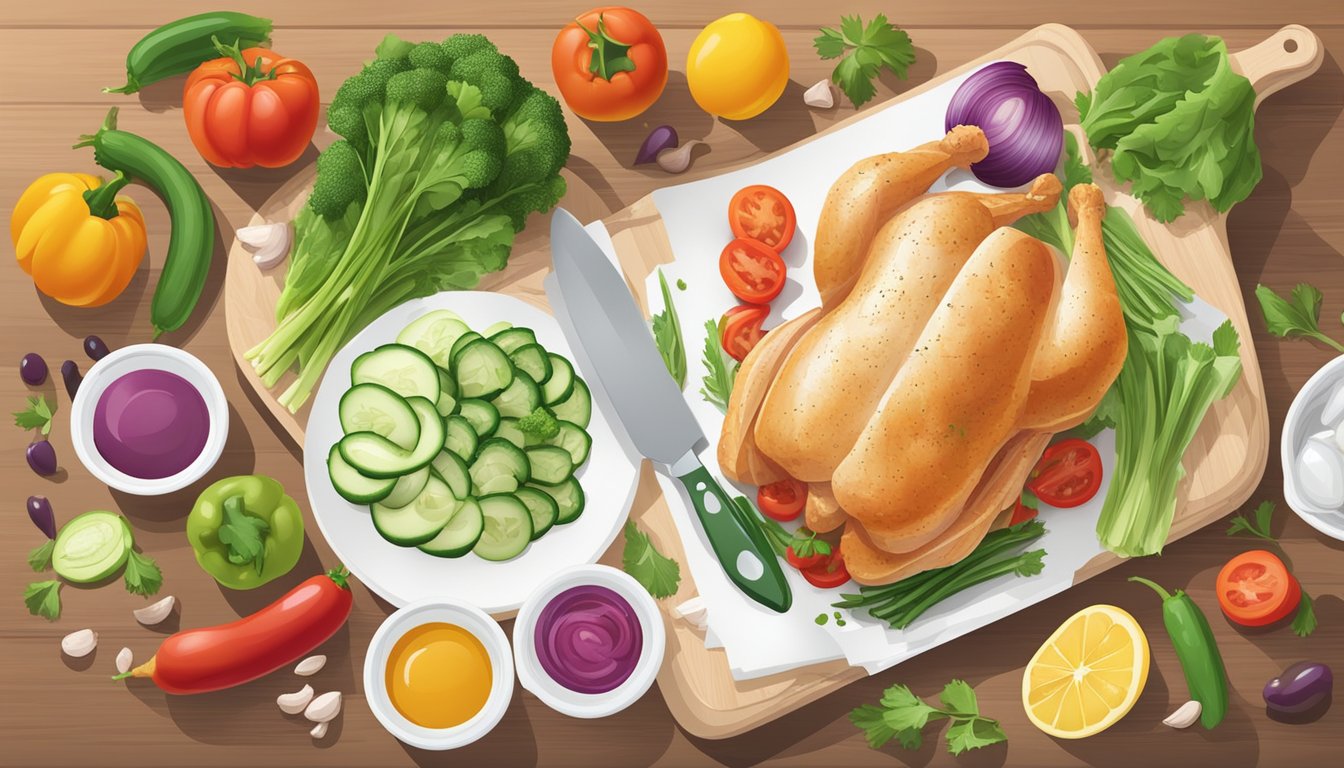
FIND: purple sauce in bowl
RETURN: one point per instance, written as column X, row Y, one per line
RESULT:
column 150, row 424
column 589, row 639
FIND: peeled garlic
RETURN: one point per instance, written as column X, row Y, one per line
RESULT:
column 319, row 731
column 124, row 660
column 677, row 159
column 79, row 644
column 692, row 611
column 1185, row 716
column 311, row 665
column 156, row 612
column 268, row 243
column 296, row 702
column 324, row 708
column 819, row 95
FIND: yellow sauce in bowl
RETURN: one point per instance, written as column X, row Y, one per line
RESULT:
column 438, row 675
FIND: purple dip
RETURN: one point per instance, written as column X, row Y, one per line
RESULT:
column 150, row 424
column 589, row 639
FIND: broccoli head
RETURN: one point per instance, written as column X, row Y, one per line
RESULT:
column 539, row 424
column 430, row 56
column 424, row 89
column 340, row 181
column 461, row 45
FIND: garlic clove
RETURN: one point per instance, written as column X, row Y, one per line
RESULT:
column 819, row 95
column 124, row 660
column 311, row 665
column 1185, row 716
column 296, row 702
column 319, row 731
column 156, row 612
column 324, row 708
column 692, row 611
column 79, row 644
column 269, row 243
column 677, row 159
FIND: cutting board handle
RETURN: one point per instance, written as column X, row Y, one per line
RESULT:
column 1285, row 57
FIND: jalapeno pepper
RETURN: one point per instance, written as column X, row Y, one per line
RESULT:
column 245, row 531
column 1197, row 651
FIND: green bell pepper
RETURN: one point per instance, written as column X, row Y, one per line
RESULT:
column 245, row 531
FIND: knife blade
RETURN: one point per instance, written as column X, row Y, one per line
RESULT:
column 615, row 337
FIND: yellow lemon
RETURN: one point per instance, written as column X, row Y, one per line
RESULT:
column 1087, row 675
column 737, row 66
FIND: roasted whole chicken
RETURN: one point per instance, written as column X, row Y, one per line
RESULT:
column 948, row 348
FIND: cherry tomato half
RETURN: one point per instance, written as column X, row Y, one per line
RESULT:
column 740, row 329
column 1256, row 589
column 830, row 573
column 762, row 213
column 782, row 501
column 752, row 270
column 1068, row 474
column 1021, row 513
column 803, row 562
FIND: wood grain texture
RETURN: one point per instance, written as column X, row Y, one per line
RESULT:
column 55, row 54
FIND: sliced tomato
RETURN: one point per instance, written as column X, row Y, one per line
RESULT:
column 751, row 270
column 1068, row 474
column 1256, row 589
column 782, row 501
column 830, row 573
column 1021, row 513
column 762, row 213
column 803, row 562
column 740, row 329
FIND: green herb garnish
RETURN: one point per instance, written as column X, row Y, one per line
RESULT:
column 902, row 715
column 720, row 369
column 43, row 598
column 40, row 558
column 659, row 574
column 142, row 575
column 37, row 415
column 243, row 534
column 1298, row 317
column 864, row 50
column 667, row 335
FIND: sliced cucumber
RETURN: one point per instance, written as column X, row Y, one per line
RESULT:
column 499, row 327
column 521, row 398
column 550, row 465
column 508, row 430
column 498, row 458
column 377, row 457
column 402, row 369
column 543, row 509
column 446, row 405
column 460, row 534
column 578, row 407
column 377, row 409
column 483, row 416
column 422, row 519
column 533, row 360
column 459, row 437
column 561, row 383
column 508, row 527
column 482, row 370
column 513, row 338
column 453, row 470
column 407, row 488
column 434, row 334
column 574, row 439
column 351, row 485
column 568, row 497
column 461, row 344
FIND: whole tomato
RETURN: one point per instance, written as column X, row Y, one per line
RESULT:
column 250, row 107
column 610, row 64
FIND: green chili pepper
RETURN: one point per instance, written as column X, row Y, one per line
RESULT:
column 1197, row 650
column 245, row 531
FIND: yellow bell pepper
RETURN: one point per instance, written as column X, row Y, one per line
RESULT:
column 81, row 243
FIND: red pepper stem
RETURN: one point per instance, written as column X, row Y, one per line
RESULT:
column 248, row 75
column 102, row 200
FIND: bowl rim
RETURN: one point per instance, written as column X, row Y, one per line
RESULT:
column 150, row 356
column 1326, row 377
column 589, row 705
column 470, row 618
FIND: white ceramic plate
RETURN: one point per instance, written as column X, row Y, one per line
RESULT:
column 404, row 575
column 1303, row 421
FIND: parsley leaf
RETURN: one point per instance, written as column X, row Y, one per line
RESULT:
column 36, row 416
column 243, row 534
column 1257, row 527
column 142, row 575
column 43, row 598
column 870, row 720
column 1296, row 318
column 721, row 370
column 659, row 574
column 667, row 335
column 863, row 52
column 40, row 559
column 902, row 715
column 973, row 734
column 1304, row 621
column 958, row 696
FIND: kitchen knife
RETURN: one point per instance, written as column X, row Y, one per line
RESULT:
column 615, row 337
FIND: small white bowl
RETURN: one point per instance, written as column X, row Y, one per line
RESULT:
column 154, row 357
column 468, row 617
column 589, row 705
column 1304, row 420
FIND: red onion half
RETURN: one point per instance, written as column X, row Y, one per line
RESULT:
column 1024, row 129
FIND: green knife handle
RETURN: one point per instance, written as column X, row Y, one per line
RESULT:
column 738, row 542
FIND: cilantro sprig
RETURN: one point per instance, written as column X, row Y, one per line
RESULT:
column 721, row 370
column 37, row 415
column 902, row 715
column 43, row 598
column 1258, row 524
column 667, row 335
column 1298, row 316
column 864, row 50
column 656, row 572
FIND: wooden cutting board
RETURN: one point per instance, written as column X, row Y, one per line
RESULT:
column 1224, row 462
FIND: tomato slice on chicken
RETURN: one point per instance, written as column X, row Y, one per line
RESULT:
column 1068, row 474
column 740, row 329
column 782, row 501
column 830, row 573
column 1256, row 589
column 762, row 213
column 752, row 270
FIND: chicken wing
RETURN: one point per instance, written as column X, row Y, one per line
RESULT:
column 823, row 513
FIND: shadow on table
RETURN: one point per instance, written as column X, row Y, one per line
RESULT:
column 257, row 185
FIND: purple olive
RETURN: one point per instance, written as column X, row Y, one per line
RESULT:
column 70, row 374
column 39, row 511
column 42, row 458
column 1299, row 687
column 660, row 138
column 95, row 348
column 33, row 369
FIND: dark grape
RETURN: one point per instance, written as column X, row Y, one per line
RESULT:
column 39, row 511
column 95, row 348
column 70, row 374
column 33, row 369
column 42, row 458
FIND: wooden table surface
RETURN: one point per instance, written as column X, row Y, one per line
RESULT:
column 55, row 55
